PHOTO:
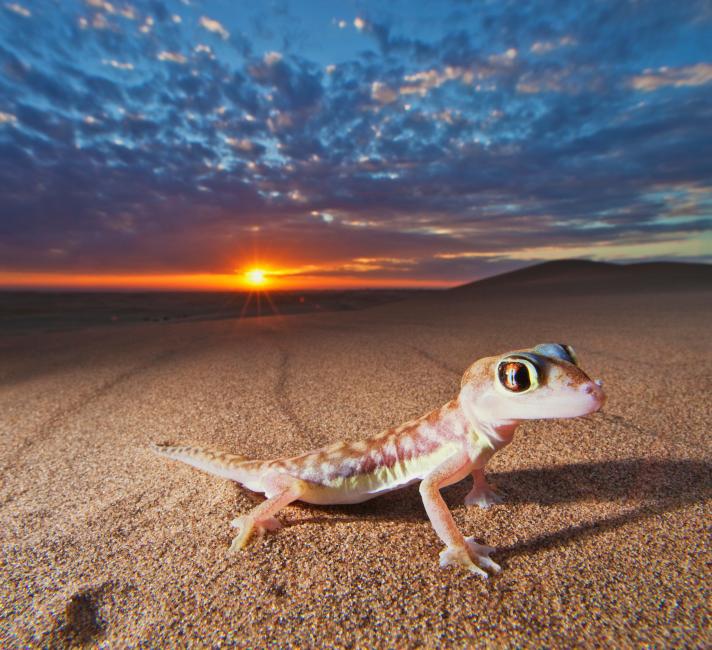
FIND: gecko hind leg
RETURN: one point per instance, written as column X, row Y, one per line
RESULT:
column 261, row 518
column 481, row 494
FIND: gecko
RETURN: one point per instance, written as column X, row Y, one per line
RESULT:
column 438, row 449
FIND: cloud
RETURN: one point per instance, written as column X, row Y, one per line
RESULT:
column 98, row 21
column 691, row 75
column 381, row 93
column 296, row 85
column 173, row 57
column 126, row 10
column 214, row 26
column 147, row 25
column 544, row 47
column 242, row 144
column 245, row 146
column 421, row 83
column 201, row 48
column 118, row 64
column 18, row 9
column 504, row 58
column 554, row 80
column 270, row 58
column 101, row 4
column 488, row 142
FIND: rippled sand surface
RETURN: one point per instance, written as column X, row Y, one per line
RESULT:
column 603, row 537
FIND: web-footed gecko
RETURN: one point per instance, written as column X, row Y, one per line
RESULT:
column 438, row 449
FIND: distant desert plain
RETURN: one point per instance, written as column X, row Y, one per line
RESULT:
column 603, row 536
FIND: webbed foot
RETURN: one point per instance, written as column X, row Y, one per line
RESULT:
column 469, row 557
column 247, row 526
column 482, row 554
column 484, row 497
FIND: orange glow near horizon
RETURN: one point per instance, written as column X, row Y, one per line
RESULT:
column 256, row 277
column 277, row 280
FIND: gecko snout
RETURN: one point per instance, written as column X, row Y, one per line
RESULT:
column 595, row 391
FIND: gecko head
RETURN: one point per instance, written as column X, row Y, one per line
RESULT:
column 542, row 382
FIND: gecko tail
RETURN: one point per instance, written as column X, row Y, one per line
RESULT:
column 219, row 463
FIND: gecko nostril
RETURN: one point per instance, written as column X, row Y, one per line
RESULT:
column 593, row 390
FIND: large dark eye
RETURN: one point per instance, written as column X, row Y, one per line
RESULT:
column 515, row 376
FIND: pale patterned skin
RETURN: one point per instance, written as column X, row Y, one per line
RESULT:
column 438, row 449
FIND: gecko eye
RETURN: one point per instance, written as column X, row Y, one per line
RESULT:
column 517, row 375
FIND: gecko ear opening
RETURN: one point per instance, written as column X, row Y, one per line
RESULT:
column 517, row 374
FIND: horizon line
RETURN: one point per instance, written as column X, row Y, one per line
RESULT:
column 236, row 283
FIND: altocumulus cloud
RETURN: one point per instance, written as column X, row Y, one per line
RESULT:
column 173, row 137
column 214, row 26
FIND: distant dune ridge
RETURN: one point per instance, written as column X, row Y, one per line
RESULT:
column 589, row 275
column 603, row 535
column 28, row 310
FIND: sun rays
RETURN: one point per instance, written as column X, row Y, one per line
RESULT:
column 256, row 280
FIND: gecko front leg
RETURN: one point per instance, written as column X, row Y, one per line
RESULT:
column 459, row 550
column 481, row 493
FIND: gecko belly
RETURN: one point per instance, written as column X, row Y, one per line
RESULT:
column 362, row 486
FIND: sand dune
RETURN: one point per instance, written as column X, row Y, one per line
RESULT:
column 585, row 275
column 603, row 536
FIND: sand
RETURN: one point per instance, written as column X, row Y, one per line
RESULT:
column 603, row 537
column 26, row 311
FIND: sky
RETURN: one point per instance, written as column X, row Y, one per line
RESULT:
column 348, row 144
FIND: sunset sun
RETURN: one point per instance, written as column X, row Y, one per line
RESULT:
column 255, row 277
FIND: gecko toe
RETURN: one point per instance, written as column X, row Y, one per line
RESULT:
column 479, row 549
column 481, row 554
column 483, row 498
column 248, row 527
column 240, row 542
column 245, row 525
column 474, row 569
column 461, row 557
column 489, row 564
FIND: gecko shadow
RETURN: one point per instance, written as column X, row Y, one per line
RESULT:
column 652, row 486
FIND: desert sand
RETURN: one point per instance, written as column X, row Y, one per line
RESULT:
column 24, row 311
column 603, row 535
